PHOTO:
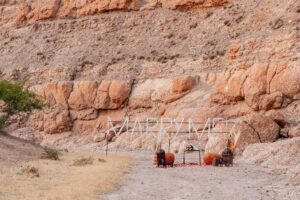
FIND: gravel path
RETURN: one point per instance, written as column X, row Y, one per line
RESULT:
column 241, row 182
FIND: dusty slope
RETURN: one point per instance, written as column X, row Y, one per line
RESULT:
column 135, row 38
column 14, row 150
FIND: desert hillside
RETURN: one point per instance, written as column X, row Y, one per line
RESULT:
column 181, row 59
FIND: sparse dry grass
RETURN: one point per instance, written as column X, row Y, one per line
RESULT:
column 83, row 161
column 30, row 171
column 60, row 180
column 52, row 154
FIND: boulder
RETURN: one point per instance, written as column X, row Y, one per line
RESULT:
column 119, row 91
column 266, row 128
column 294, row 131
column 150, row 92
column 286, row 80
column 219, row 135
column 57, row 93
column 254, row 128
column 102, row 100
column 278, row 117
column 294, row 108
column 183, row 83
column 112, row 94
column 57, row 121
column 235, row 111
column 228, row 88
column 271, row 101
column 83, row 95
column 255, row 85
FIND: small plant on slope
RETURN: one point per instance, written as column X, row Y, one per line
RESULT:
column 51, row 154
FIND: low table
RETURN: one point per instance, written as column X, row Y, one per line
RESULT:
column 194, row 150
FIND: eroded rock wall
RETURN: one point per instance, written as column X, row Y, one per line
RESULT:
column 30, row 11
column 237, row 60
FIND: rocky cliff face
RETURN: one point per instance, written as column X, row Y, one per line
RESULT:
column 198, row 59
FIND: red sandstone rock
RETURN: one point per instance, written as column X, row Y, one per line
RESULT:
column 57, row 121
column 102, row 100
column 119, row 91
column 265, row 127
column 286, row 80
column 255, row 85
column 83, row 95
column 54, row 93
column 147, row 94
column 30, row 12
column 182, row 84
column 37, row 11
column 228, row 87
column 58, row 93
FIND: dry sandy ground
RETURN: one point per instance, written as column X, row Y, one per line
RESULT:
column 61, row 180
column 241, row 182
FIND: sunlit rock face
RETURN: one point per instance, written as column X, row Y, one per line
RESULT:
column 171, row 60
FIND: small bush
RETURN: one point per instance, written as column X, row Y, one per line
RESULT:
column 17, row 98
column 83, row 161
column 64, row 150
column 2, row 122
column 51, row 154
column 30, row 171
column 101, row 160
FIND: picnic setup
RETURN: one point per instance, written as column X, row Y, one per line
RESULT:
column 192, row 155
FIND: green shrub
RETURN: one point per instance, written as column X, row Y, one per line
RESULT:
column 2, row 121
column 17, row 98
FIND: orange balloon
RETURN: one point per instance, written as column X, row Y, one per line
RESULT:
column 208, row 158
column 170, row 158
